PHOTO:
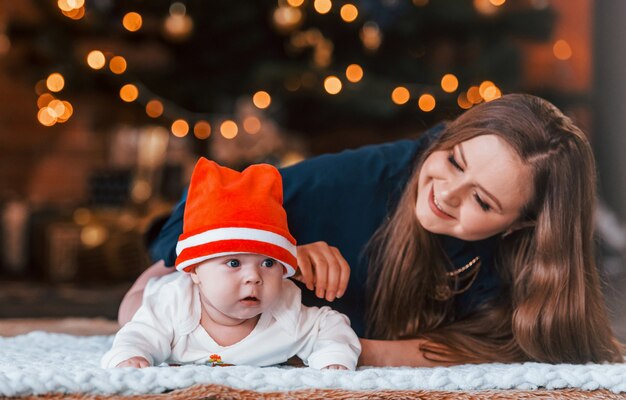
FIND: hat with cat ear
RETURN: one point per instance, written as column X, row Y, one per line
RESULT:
column 230, row 212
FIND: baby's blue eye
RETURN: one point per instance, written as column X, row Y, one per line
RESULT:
column 268, row 262
column 233, row 263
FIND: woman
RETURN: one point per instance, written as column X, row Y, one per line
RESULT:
column 474, row 242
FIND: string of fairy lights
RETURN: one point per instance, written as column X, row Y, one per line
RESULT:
column 287, row 18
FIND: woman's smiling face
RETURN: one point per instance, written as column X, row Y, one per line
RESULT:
column 474, row 190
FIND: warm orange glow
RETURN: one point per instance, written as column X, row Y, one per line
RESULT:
column 287, row 18
column 483, row 87
column 492, row 93
column 117, row 65
column 426, row 102
column 449, row 83
column 75, row 14
column 55, row 82
column 202, row 130
column 497, row 3
column 262, row 99
column 349, row 12
column 562, row 50
column 295, row 3
column 129, row 92
column 180, row 128
column 57, row 108
column 132, row 21
column 354, row 73
column 322, row 6
column 44, row 100
column 40, row 87
column 400, row 95
column 332, row 84
column 485, row 7
column 252, row 125
column 67, row 112
column 46, row 117
column 96, row 59
column 473, row 95
column 229, row 129
column 154, row 108
column 370, row 36
column 463, row 102
column 64, row 5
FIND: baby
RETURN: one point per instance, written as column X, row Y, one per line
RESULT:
column 233, row 305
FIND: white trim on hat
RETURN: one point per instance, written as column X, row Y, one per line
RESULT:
column 218, row 234
column 290, row 271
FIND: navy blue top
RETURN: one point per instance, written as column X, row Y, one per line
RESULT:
column 342, row 199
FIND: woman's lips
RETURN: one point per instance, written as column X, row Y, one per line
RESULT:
column 433, row 206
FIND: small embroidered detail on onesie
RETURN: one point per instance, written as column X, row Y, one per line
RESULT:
column 215, row 360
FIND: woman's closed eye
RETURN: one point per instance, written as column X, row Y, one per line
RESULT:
column 481, row 203
column 268, row 262
column 234, row 263
column 453, row 161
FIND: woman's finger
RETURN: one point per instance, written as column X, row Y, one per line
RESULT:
column 305, row 269
column 319, row 259
column 334, row 274
column 344, row 272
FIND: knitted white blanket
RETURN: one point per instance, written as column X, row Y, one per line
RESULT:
column 41, row 362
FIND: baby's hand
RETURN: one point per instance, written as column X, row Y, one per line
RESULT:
column 335, row 366
column 134, row 362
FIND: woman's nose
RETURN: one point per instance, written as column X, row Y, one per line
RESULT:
column 451, row 194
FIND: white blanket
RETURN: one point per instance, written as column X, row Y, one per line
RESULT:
column 41, row 362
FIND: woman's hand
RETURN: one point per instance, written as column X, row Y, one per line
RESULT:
column 134, row 362
column 323, row 268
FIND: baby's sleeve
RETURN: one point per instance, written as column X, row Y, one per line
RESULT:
column 328, row 338
column 149, row 334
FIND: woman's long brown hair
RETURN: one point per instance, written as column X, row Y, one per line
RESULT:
column 551, row 308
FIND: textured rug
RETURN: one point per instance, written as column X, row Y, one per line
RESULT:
column 67, row 366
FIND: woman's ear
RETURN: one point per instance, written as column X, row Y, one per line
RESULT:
column 517, row 226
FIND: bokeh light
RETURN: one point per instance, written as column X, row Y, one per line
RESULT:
column 202, row 129
column 44, row 100
column 400, row 95
column 562, row 50
column 354, row 73
column 96, row 59
column 117, row 65
column 473, row 95
column 132, row 21
column 229, row 129
column 252, row 125
column 322, row 6
column 55, row 82
column 449, row 83
column 426, row 102
column 262, row 99
column 463, row 102
column 129, row 92
column 349, row 12
column 332, row 84
column 180, row 128
column 154, row 108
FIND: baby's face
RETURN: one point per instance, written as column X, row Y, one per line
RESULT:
column 238, row 287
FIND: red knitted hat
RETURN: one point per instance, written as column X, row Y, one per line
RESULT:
column 230, row 212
